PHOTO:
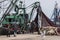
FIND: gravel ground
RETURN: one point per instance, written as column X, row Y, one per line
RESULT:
column 29, row 37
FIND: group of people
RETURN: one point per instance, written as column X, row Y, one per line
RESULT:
column 10, row 30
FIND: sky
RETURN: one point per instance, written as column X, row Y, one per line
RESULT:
column 46, row 5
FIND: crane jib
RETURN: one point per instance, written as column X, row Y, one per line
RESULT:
column 8, row 10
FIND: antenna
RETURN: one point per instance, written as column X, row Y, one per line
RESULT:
column 56, row 4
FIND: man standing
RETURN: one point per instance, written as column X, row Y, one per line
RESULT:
column 15, row 29
column 8, row 30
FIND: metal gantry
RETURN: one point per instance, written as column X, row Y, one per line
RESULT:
column 56, row 15
column 35, row 8
column 8, row 10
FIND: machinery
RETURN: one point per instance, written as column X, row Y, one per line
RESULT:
column 35, row 22
column 18, row 19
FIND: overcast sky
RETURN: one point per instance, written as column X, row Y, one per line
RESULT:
column 46, row 5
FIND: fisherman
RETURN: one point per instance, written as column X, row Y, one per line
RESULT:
column 14, row 32
column 15, row 29
column 8, row 30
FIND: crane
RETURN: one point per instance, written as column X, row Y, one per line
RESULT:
column 55, row 15
column 8, row 10
column 35, row 12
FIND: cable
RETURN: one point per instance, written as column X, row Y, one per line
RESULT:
column 6, row 4
column 29, row 6
column 32, row 5
column 3, row 1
